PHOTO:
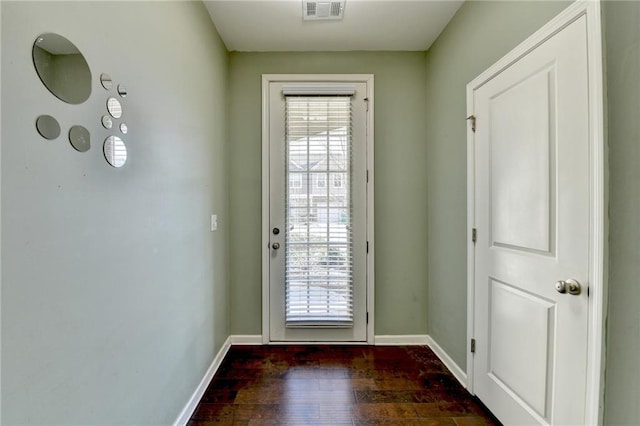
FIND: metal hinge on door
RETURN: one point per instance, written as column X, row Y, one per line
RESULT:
column 367, row 317
column 473, row 122
column 367, row 102
column 473, row 346
column 474, row 235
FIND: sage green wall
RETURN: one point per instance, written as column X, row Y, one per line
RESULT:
column 622, row 42
column 114, row 290
column 479, row 34
column 400, row 193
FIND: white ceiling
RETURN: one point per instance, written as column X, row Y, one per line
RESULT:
column 277, row 25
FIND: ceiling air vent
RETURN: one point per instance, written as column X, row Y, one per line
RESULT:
column 322, row 10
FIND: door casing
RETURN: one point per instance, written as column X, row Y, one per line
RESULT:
column 317, row 78
column 597, row 220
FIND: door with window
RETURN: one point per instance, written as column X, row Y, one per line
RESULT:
column 317, row 225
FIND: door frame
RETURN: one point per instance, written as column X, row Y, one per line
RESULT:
column 597, row 218
column 267, row 79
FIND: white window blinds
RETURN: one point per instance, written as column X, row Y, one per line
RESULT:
column 318, row 265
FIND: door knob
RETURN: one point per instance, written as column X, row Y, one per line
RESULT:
column 571, row 286
column 275, row 246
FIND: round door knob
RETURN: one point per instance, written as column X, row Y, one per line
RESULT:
column 275, row 246
column 573, row 286
column 570, row 286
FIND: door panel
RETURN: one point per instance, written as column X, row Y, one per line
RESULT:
column 532, row 216
column 521, row 165
column 522, row 328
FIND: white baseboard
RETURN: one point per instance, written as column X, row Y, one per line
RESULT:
column 188, row 410
column 401, row 340
column 246, row 339
column 455, row 369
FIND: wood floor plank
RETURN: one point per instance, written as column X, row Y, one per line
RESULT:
column 381, row 411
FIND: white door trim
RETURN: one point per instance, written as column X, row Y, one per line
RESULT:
column 316, row 78
column 597, row 289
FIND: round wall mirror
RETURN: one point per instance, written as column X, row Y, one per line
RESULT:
column 105, row 80
column 122, row 91
column 80, row 138
column 48, row 127
column 62, row 68
column 123, row 128
column 114, row 107
column 115, row 151
column 107, row 122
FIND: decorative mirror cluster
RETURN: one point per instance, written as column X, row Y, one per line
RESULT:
column 65, row 73
column 115, row 151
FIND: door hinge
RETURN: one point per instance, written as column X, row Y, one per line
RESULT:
column 367, row 176
column 367, row 317
column 367, row 246
column 473, row 122
column 474, row 235
column 366, row 100
column 473, row 346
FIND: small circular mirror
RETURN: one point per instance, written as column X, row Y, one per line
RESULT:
column 122, row 91
column 105, row 80
column 48, row 127
column 123, row 128
column 107, row 122
column 115, row 151
column 114, row 107
column 80, row 138
column 62, row 68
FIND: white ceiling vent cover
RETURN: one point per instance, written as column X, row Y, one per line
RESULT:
column 322, row 10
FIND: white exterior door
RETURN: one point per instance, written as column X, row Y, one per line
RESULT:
column 317, row 240
column 532, row 215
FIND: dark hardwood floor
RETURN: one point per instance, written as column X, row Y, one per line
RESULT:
column 336, row 385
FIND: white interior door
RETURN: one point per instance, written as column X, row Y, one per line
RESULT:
column 532, row 217
column 317, row 212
